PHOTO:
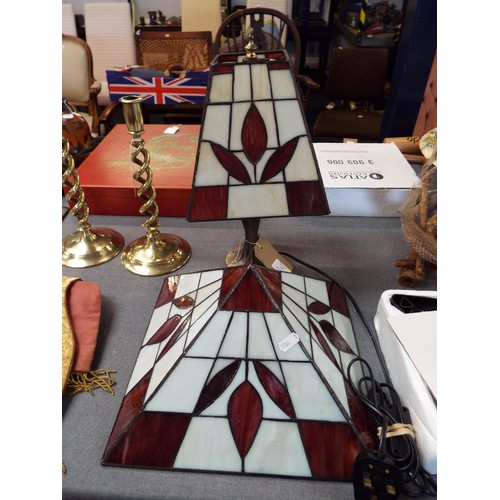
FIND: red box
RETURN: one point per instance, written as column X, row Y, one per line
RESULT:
column 106, row 175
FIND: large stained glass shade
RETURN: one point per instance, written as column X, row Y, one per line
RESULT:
column 243, row 370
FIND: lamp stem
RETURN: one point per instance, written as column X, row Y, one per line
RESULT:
column 251, row 227
column 244, row 254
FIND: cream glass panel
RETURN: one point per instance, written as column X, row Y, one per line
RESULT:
column 221, row 88
column 236, row 338
column 302, row 166
column 208, row 343
column 261, row 87
column 257, row 201
column 144, row 363
column 283, row 85
column 181, row 390
column 242, row 87
column 165, row 365
column 259, row 341
column 311, row 399
column 277, row 449
column 290, row 120
column 210, row 172
column 216, row 128
column 208, row 444
column 279, row 330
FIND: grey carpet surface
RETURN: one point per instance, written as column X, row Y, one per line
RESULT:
column 357, row 252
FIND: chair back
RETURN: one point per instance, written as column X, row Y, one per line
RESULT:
column 68, row 20
column 79, row 87
column 356, row 84
column 76, row 69
column 201, row 16
column 109, row 34
column 174, row 50
column 357, row 74
column 268, row 26
column 279, row 5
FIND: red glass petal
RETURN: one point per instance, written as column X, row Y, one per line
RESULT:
column 274, row 388
column 334, row 337
column 165, row 330
column 337, row 298
column 254, row 135
column 324, row 344
column 231, row 163
column 245, row 416
column 184, row 302
column 173, row 339
column 279, row 160
column 217, row 385
column 318, row 307
column 168, row 290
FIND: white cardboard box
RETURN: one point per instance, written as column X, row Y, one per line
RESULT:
column 366, row 180
column 412, row 365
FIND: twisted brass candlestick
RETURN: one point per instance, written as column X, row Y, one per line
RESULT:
column 156, row 253
column 87, row 246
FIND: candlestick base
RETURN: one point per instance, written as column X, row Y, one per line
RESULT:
column 89, row 246
column 156, row 254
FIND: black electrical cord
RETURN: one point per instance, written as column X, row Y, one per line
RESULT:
column 386, row 409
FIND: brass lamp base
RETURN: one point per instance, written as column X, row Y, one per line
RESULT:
column 156, row 254
column 88, row 246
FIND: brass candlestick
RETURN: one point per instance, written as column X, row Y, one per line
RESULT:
column 156, row 253
column 87, row 246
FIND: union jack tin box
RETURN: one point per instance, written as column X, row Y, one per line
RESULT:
column 158, row 89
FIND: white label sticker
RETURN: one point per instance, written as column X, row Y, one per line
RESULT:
column 171, row 130
column 289, row 341
column 279, row 266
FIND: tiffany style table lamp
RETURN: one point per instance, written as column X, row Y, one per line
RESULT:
column 244, row 369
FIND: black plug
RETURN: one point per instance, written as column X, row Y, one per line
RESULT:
column 374, row 478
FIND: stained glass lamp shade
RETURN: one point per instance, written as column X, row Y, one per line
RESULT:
column 215, row 389
column 255, row 158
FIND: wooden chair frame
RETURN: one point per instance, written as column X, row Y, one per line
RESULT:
column 234, row 30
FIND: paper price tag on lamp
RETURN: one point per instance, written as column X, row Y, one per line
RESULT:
column 289, row 341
